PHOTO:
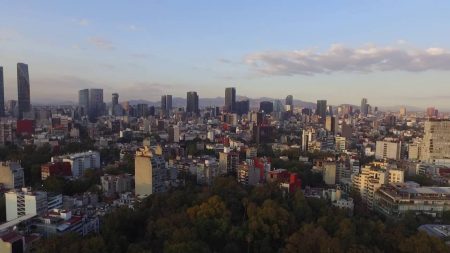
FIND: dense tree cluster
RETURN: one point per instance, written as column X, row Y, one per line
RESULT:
column 228, row 217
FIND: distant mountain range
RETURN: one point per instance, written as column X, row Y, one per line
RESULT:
column 220, row 101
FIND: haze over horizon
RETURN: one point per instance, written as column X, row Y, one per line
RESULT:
column 393, row 53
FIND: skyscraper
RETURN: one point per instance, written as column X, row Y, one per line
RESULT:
column 266, row 106
column 2, row 94
column 364, row 107
column 192, row 102
column 83, row 101
column 166, row 104
column 230, row 99
column 96, row 104
column 321, row 109
column 115, row 99
column 23, row 89
column 242, row 107
column 289, row 103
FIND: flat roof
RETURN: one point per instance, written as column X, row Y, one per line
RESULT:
column 14, row 222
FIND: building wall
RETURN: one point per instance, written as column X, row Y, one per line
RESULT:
column 388, row 150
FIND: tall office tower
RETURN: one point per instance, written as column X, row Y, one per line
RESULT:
column 115, row 105
column 83, row 101
column 2, row 94
column 142, row 110
column 242, row 107
column 115, row 99
column 278, row 106
column 364, row 107
column 432, row 112
column 321, row 109
column 330, row 110
column 23, row 89
column 192, row 102
column 266, row 106
column 402, row 112
column 230, row 99
column 290, row 100
column 150, row 169
column 436, row 141
column 330, row 124
column 388, row 150
column 163, row 103
column 166, row 104
column 96, row 104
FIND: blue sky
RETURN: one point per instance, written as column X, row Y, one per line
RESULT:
column 392, row 52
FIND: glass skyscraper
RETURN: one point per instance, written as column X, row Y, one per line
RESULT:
column 2, row 94
column 230, row 99
column 23, row 89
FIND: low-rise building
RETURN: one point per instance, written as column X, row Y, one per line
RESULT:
column 114, row 184
column 394, row 200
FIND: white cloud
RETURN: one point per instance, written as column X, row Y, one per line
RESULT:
column 101, row 43
column 339, row 58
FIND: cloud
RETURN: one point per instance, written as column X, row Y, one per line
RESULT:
column 82, row 21
column 101, row 43
column 338, row 58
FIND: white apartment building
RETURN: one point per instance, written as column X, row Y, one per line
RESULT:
column 79, row 162
column 25, row 202
column 150, row 172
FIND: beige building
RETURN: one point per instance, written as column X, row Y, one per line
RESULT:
column 370, row 179
column 150, row 169
column 11, row 175
column 388, row 150
column 25, row 202
column 341, row 143
column 436, row 141
column 329, row 173
column 414, row 151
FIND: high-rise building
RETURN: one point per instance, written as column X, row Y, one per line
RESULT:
column 115, row 99
column 388, row 150
column 364, row 107
column 321, row 109
column 242, row 107
column 436, row 141
column 23, row 89
column 192, row 102
column 96, row 104
column 403, row 112
column 290, row 100
column 432, row 112
column 2, row 93
column 149, row 172
column 266, row 107
column 329, row 173
column 166, row 104
column 230, row 99
column 25, row 202
column 278, row 106
column 330, row 124
column 142, row 110
column 83, row 101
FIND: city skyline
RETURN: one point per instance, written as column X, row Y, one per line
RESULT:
column 309, row 50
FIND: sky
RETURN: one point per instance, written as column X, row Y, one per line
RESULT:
column 391, row 52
